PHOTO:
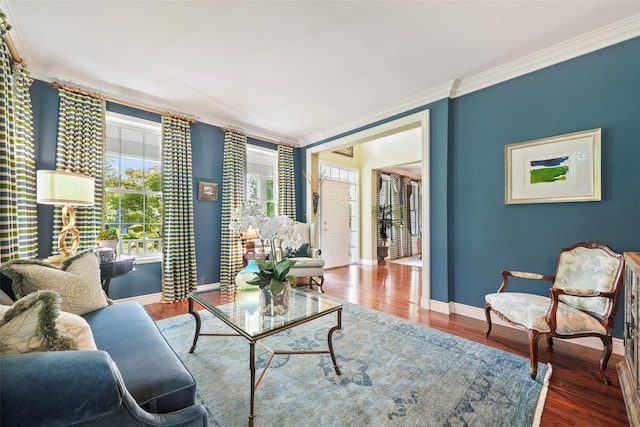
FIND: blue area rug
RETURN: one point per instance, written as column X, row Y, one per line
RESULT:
column 394, row 373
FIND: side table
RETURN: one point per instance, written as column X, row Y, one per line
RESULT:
column 123, row 264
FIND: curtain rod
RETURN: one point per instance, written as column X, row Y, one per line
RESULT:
column 122, row 102
column 15, row 56
column 226, row 129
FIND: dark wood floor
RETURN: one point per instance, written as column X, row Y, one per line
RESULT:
column 576, row 396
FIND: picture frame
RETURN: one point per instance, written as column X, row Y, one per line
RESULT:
column 564, row 168
column 347, row 151
column 208, row 191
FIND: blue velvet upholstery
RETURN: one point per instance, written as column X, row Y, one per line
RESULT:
column 152, row 372
column 75, row 388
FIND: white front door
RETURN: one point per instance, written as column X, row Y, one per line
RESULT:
column 334, row 223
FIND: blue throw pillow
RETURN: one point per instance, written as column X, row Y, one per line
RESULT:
column 303, row 251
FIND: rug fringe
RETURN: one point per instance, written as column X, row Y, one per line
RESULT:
column 543, row 396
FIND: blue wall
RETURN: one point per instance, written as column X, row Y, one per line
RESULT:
column 474, row 234
column 207, row 150
column 598, row 90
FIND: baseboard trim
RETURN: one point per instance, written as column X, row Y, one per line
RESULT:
column 478, row 314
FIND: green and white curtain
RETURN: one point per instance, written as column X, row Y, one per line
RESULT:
column 80, row 149
column 179, row 276
column 406, row 249
column 395, row 236
column 233, row 197
column 286, row 184
column 18, row 217
column 419, row 215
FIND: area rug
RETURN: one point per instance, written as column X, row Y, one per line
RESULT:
column 394, row 373
column 413, row 261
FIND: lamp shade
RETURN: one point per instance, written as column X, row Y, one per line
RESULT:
column 251, row 233
column 61, row 188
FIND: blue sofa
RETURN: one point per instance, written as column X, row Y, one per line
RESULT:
column 134, row 379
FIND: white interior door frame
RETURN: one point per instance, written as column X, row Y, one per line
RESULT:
column 422, row 120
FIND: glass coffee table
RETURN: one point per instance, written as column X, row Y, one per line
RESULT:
column 305, row 306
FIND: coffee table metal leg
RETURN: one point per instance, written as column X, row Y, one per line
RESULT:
column 252, row 367
column 198, row 323
column 330, row 341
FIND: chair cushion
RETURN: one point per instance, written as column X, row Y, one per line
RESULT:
column 587, row 268
column 530, row 310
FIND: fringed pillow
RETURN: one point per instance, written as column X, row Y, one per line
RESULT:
column 77, row 280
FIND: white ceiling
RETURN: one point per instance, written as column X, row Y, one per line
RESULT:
column 302, row 71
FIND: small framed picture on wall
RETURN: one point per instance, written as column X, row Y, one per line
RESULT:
column 208, row 191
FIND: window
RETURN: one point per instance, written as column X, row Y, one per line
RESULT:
column 261, row 179
column 133, row 184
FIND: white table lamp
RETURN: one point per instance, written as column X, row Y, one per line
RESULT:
column 65, row 189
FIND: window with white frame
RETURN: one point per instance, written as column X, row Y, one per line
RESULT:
column 262, row 179
column 133, row 184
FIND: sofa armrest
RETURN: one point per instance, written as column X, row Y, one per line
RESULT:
column 75, row 387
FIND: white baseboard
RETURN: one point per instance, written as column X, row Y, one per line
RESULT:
column 478, row 314
column 157, row 297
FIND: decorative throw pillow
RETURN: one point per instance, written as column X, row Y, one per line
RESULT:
column 77, row 281
column 30, row 325
column 5, row 299
column 303, row 251
column 77, row 328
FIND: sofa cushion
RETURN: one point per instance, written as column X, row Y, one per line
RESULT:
column 152, row 372
column 30, row 325
column 77, row 281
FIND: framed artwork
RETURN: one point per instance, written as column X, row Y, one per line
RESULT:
column 208, row 191
column 563, row 168
column 347, row 151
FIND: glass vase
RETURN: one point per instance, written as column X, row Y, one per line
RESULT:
column 275, row 305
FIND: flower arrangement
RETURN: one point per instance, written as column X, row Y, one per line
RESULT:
column 315, row 183
column 278, row 228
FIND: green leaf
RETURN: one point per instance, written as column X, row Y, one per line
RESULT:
column 282, row 269
column 276, row 286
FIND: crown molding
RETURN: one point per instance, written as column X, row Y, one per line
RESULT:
column 418, row 100
column 590, row 42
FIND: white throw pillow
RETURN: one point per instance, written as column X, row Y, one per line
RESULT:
column 77, row 280
column 30, row 325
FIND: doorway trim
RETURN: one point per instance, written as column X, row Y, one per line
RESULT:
column 419, row 119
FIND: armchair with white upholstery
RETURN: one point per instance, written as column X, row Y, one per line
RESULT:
column 582, row 302
column 308, row 264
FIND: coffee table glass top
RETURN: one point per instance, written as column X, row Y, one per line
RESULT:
column 244, row 316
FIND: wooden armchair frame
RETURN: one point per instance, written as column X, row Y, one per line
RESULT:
column 606, row 319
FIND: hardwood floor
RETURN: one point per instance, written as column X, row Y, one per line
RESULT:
column 576, row 395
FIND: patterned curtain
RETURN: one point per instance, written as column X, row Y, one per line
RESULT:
column 395, row 235
column 378, row 187
column 286, row 184
column 18, row 222
column 25, row 165
column 234, row 176
column 419, row 215
column 179, row 275
column 406, row 249
column 81, row 130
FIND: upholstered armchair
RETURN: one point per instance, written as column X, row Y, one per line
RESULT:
column 582, row 301
column 308, row 264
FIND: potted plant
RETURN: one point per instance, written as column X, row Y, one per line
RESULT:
column 385, row 221
column 273, row 276
column 108, row 239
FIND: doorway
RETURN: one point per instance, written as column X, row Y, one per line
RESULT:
column 417, row 121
